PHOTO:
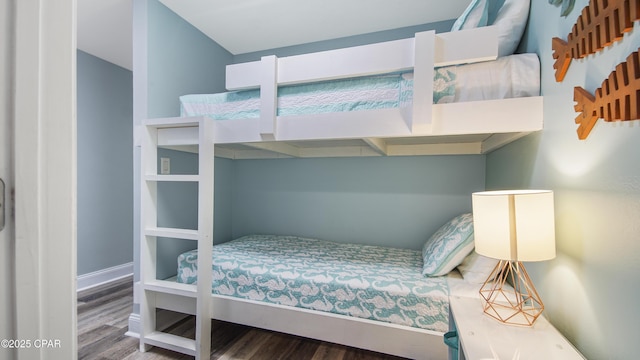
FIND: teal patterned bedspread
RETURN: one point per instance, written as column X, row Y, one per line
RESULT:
column 353, row 94
column 364, row 281
column 509, row 76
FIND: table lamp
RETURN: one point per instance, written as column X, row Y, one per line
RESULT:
column 513, row 226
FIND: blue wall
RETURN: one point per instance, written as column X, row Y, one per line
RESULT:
column 382, row 201
column 105, row 165
column 591, row 289
column 388, row 35
column 182, row 61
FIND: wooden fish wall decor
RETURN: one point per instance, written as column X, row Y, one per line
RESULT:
column 601, row 23
column 617, row 99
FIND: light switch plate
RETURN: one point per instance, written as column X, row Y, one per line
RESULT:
column 165, row 166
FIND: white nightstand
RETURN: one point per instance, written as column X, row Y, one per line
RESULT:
column 482, row 337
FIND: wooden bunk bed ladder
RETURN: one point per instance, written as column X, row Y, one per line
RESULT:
column 167, row 294
column 601, row 23
column 618, row 98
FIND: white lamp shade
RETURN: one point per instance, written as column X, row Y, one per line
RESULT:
column 515, row 225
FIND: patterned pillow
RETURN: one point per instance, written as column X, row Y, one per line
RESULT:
column 475, row 15
column 448, row 246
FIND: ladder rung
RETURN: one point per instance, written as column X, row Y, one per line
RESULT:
column 171, row 287
column 174, row 233
column 174, row 178
column 171, row 342
column 173, row 122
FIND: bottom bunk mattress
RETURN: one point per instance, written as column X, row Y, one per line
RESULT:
column 369, row 282
column 507, row 77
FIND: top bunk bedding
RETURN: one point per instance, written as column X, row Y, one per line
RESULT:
column 507, row 77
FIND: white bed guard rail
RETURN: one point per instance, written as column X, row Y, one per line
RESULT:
column 421, row 53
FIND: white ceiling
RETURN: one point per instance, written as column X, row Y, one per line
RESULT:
column 242, row 26
column 104, row 30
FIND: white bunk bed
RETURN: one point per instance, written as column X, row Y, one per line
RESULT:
column 457, row 128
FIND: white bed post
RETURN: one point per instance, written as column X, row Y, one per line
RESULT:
column 205, row 238
column 268, row 97
column 148, row 219
column 423, row 82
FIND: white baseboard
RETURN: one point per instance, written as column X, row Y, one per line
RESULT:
column 134, row 326
column 134, row 318
column 164, row 320
column 104, row 276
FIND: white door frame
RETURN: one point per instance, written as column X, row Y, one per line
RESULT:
column 7, row 304
column 45, row 177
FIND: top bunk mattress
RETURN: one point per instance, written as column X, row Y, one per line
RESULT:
column 507, row 77
column 370, row 282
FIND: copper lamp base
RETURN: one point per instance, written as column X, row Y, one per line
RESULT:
column 517, row 305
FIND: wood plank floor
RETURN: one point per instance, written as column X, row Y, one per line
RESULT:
column 103, row 314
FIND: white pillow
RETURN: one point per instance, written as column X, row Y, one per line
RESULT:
column 476, row 268
column 511, row 20
column 475, row 15
column 510, row 16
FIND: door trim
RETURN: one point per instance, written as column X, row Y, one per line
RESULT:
column 45, row 176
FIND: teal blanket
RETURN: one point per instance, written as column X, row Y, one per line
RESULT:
column 355, row 94
column 509, row 76
column 370, row 282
